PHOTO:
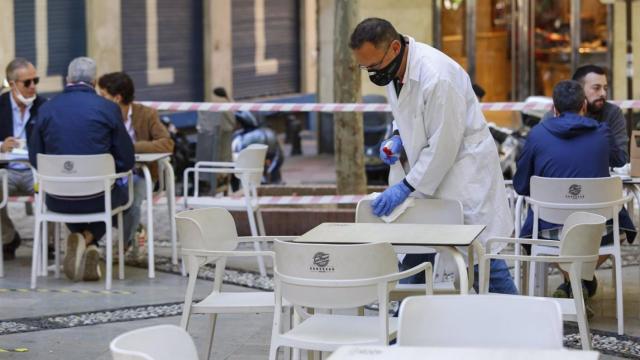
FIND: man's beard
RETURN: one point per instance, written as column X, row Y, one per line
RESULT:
column 596, row 106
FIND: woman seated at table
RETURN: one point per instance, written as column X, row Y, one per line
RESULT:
column 148, row 134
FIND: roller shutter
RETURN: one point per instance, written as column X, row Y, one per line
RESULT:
column 179, row 48
column 66, row 32
column 282, row 43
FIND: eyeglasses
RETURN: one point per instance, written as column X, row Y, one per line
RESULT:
column 377, row 65
column 27, row 83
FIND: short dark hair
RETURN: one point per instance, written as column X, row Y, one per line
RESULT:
column 585, row 70
column 568, row 96
column 377, row 31
column 118, row 83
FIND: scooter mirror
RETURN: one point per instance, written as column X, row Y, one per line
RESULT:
column 221, row 92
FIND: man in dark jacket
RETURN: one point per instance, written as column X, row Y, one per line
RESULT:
column 568, row 145
column 18, row 109
column 80, row 122
column 594, row 83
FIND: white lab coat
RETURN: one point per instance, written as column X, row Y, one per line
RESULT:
column 450, row 151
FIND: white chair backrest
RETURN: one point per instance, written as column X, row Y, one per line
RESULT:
column 424, row 211
column 574, row 191
column 207, row 229
column 74, row 166
column 162, row 342
column 481, row 321
column 581, row 236
column 332, row 262
column 253, row 157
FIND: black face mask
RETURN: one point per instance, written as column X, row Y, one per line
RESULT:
column 384, row 76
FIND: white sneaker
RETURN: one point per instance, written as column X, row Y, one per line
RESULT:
column 73, row 256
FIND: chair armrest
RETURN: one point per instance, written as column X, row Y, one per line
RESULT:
column 266, row 238
column 232, row 253
column 226, row 164
column 521, row 241
column 221, row 171
column 544, row 258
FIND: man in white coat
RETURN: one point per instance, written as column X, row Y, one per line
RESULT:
column 450, row 153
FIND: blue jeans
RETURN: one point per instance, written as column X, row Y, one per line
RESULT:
column 499, row 282
column 131, row 217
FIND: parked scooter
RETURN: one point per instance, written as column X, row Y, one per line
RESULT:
column 252, row 131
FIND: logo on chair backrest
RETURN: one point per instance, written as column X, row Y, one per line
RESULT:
column 68, row 167
column 574, row 193
column 321, row 262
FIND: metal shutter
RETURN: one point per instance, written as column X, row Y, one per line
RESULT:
column 180, row 47
column 282, row 43
column 66, row 33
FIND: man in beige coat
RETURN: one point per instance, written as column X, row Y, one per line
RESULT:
column 148, row 134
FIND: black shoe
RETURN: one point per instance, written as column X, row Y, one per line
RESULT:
column 9, row 250
column 591, row 286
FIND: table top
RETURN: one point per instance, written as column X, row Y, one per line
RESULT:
column 411, row 353
column 151, row 157
column 396, row 234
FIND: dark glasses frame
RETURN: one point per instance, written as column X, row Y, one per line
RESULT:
column 27, row 82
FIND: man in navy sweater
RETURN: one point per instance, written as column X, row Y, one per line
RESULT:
column 568, row 145
column 80, row 122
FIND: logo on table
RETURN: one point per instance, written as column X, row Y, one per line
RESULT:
column 575, row 192
column 68, row 167
column 321, row 263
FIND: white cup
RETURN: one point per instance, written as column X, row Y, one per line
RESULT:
column 22, row 144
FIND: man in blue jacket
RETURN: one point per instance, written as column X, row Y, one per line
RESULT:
column 568, row 145
column 80, row 122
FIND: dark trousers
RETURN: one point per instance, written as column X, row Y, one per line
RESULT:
column 499, row 282
column 119, row 197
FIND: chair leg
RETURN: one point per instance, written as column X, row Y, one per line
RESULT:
column 1, row 254
column 212, row 330
column 56, row 250
column 109, row 251
column 619, row 290
column 256, row 245
column 581, row 314
column 44, row 239
column 35, row 258
column 532, row 278
column 120, row 248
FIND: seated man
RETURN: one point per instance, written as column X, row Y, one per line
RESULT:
column 146, row 131
column 568, row 145
column 79, row 122
column 18, row 108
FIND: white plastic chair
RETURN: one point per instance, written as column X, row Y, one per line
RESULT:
column 208, row 235
column 424, row 211
column 161, row 342
column 554, row 199
column 248, row 168
column 3, row 203
column 577, row 254
column 76, row 176
column 331, row 277
column 480, row 321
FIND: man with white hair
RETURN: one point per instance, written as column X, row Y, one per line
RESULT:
column 18, row 108
column 80, row 122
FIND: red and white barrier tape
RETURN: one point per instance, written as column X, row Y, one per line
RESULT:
column 315, row 107
column 161, row 199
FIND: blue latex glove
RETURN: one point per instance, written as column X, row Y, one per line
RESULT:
column 390, row 199
column 390, row 149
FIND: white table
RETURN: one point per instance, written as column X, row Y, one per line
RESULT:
column 419, row 353
column 10, row 157
column 441, row 237
column 167, row 181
